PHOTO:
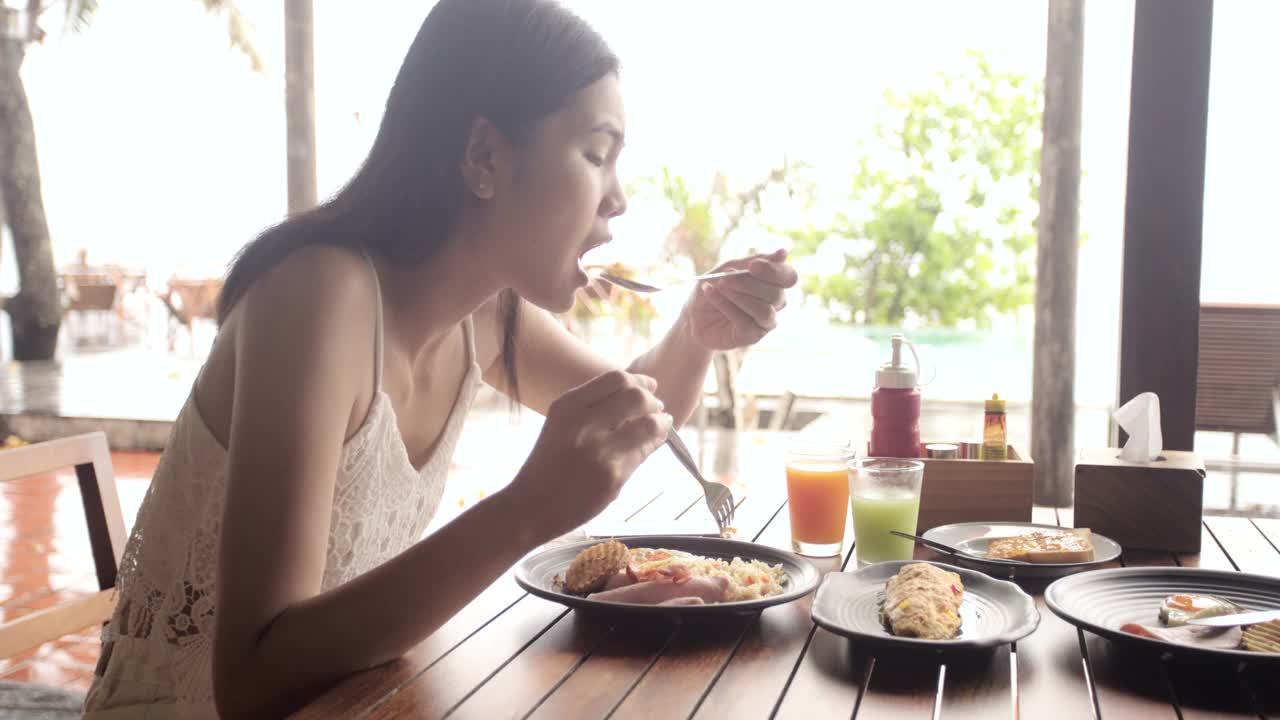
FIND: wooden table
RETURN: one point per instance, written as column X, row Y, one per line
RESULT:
column 509, row 654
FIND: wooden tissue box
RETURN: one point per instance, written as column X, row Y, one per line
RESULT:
column 1156, row 505
column 976, row 491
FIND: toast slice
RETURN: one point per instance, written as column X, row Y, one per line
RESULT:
column 1263, row 638
column 1070, row 545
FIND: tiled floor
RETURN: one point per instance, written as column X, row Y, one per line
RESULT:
column 45, row 559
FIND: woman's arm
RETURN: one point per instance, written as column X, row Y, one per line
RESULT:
column 301, row 362
column 736, row 312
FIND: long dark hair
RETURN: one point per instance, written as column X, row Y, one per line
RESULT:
column 513, row 62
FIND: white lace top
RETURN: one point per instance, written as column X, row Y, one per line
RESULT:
column 156, row 651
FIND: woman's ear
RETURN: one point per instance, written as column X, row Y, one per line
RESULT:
column 485, row 159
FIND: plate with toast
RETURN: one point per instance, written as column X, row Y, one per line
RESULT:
column 1037, row 551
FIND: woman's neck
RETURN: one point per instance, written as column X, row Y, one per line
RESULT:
column 423, row 303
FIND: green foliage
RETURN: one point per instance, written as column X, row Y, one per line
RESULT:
column 704, row 225
column 940, row 219
column 79, row 13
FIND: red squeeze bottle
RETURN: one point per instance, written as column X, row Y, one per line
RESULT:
column 895, row 407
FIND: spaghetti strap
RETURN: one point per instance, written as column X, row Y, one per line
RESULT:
column 469, row 333
column 377, row 338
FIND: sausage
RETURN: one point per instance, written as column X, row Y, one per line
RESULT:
column 653, row 592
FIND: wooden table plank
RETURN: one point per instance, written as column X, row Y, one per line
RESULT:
column 1211, row 555
column 1248, row 548
column 490, row 650
column 608, row 674
column 827, row 681
column 1270, row 528
column 684, row 670
column 362, row 690
column 1051, row 680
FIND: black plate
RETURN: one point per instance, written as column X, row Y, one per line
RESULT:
column 1100, row 601
column 535, row 574
column 993, row 612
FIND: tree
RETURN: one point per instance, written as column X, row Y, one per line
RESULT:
column 35, row 313
column 704, row 225
column 939, row 223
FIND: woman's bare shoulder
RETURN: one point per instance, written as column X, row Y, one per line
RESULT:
column 324, row 287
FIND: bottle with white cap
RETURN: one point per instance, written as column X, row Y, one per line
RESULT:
column 895, row 406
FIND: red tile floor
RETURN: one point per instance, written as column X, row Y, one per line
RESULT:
column 45, row 559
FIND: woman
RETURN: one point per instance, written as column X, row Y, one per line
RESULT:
column 311, row 453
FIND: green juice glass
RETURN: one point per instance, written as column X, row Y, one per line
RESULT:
column 884, row 494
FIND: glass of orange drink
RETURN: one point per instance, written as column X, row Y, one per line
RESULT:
column 818, row 495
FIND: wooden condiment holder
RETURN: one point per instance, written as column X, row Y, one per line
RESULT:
column 957, row 490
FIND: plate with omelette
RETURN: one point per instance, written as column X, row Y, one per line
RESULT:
column 923, row 606
column 1043, row 551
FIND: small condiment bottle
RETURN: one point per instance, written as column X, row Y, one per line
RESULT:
column 995, row 430
column 895, row 406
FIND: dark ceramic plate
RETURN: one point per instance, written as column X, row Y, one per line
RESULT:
column 537, row 572
column 993, row 612
column 1100, row 601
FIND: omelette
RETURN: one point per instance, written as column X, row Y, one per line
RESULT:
column 923, row 601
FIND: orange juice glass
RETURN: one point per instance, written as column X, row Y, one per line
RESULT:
column 818, row 496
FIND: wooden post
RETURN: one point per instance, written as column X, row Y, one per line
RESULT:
column 1053, row 391
column 1164, row 210
column 300, row 103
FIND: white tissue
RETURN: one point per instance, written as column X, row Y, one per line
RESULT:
column 1140, row 418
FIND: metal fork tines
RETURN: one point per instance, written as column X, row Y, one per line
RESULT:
column 719, row 498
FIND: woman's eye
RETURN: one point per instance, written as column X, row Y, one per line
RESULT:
column 596, row 160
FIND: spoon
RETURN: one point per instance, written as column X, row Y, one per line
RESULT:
column 640, row 287
column 954, row 552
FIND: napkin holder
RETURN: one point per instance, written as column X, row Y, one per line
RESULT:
column 1156, row 505
column 956, row 490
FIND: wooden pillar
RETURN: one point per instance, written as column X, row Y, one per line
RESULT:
column 300, row 103
column 1053, row 391
column 1164, row 210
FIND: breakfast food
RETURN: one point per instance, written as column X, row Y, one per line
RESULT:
column 1263, row 637
column 1178, row 609
column 1205, row 636
column 611, row 572
column 923, row 601
column 1071, row 545
column 592, row 567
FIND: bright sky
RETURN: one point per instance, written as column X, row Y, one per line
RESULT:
column 158, row 145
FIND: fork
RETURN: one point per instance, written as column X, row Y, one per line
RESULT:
column 636, row 286
column 719, row 498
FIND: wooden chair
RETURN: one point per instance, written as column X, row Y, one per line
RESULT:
column 86, row 295
column 1239, row 370
column 190, row 300
column 91, row 458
